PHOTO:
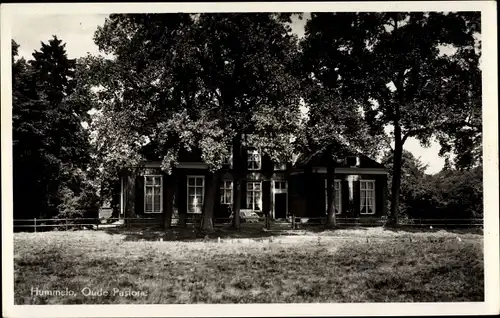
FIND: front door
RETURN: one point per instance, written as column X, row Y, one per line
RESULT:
column 280, row 205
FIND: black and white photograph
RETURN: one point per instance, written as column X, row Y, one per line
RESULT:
column 277, row 154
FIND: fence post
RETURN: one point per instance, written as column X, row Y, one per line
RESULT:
column 66, row 224
column 293, row 222
column 97, row 224
column 35, row 224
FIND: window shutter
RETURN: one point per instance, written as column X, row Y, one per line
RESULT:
column 243, row 189
column 266, row 196
column 181, row 182
column 346, row 205
column 164, row 194
column 379, row 196
column 317, row 194
column 139, row 195
column 357, row 198
column 244, row 159
column 325, row 195
column 218, row 205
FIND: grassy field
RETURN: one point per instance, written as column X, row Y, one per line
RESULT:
column 372, row 265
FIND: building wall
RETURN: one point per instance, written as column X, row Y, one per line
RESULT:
column 306, row 192
column 133, row 191
column 307, row 195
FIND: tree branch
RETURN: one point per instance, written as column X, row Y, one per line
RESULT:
column 405, row 136
column 414, row 132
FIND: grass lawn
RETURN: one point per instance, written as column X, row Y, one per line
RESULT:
column 373, row 265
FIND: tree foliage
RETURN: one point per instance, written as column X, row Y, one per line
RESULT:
column 448, row 194
column 50, row 146
column 413, row 179
column 393, row 65
column 183, row 82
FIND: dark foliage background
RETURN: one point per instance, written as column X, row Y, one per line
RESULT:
column 51, row 148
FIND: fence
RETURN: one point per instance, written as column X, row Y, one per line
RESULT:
column 37, row 225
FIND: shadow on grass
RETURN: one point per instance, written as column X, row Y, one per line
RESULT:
column 426, row 229
column 256, row 231
column 322, row 228
column 195, row 234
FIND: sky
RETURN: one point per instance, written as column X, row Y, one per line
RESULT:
column 77, row 32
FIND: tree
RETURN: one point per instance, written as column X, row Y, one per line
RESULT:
column 219, row 85
column 335, row 128
column 151, row 102
column 413, row 181
column 27, row 143
column 447, row 195
column 144, row 94
column 460, row 193
column 50, row 146
column 246, row 63
column 393, row 65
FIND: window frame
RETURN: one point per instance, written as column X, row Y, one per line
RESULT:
column 366, row 190
column 202, row 177
column 254, row 152
column 280, row 166
column 280, row 189
column 253, row 191
column 224, row 189
column 339, row 210
column 153, row 196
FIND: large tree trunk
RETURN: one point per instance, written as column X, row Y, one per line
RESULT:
column 236, row 202
column 331, row 222
column 169, row 198
column 130, row 196
column 116, row 199
column 238, row 170
column 396, row 175
column 209, row 204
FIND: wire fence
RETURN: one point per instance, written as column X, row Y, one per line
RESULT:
column 196, row 221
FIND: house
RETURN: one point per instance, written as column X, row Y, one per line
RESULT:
column 360, row 185
column 280, row 189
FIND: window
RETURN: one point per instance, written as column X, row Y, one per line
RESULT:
column 153, row 194
column 338, row 196
column 254, row 192
column 280, row 185
column 226, row 192
column 253, row 160
column 367, row 194
column 280, row 166
column 196, row 193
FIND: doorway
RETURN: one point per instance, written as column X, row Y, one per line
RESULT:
column 280, row 199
